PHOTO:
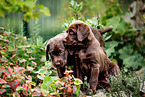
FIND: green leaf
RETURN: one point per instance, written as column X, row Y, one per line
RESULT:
column 95, row 21
column 45, row 92
column 47, row 79
column 78, row 89
column 2, row 13
column 2, row 91
column 29, row 3
column 36, row 15
column 4, row 58
column 5, row 70
column 40, row 77
column 2, row 81
column 131, row 58
column 10, row 48
column 72, row 3
column 79, row 7
column 33, row 83
column 43, row 59
column 28, row 15
column 16, row 94
column 45, row 11
column 43, row 86
column 46, row 82
column 110, row 47
column 6, row 86
column 119, row 25
column 77, row 81
column 125, row 52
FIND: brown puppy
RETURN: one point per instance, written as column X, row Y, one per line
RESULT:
column 93, row 60
column 57, row 52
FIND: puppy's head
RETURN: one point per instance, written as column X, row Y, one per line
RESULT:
column 57, row 50
column 78, row 31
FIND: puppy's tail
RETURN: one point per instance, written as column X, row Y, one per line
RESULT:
column 104, row 30
column 46, row 52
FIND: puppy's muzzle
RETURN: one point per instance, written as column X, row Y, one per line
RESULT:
column 59, row 64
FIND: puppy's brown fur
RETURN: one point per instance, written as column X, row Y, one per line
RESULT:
column 56, row 48
column 93, row 60
column 57, row 52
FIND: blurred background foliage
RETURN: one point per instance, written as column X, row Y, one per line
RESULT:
column 50, row 26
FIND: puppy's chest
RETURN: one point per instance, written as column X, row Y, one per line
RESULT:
column 86, row 56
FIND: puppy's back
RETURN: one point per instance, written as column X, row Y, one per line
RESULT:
column 58, row 38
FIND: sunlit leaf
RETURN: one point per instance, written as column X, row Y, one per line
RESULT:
column 22, row 60
column 36, row 93
column 16, row 94
column 2, row 81
column 78, row 81
column 131, row 58
column 119, row 25
column 72, row 3
column 2, row 91
column 95, row 21
column 30, row 68
column 30, row 3
column 5, row 86
column 110, row 47
column 2, row 13
column 45, row 11
column 45, row 92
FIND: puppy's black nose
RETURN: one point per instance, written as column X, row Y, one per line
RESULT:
column 57, row 64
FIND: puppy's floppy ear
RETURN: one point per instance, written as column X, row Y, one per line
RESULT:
column 67, row 31
column 46, row 52
column 83, row 31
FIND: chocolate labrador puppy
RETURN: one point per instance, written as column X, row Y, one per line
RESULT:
column 81, row 42
column 57, row 52
column 60, row 57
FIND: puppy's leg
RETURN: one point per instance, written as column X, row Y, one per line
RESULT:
column 114, row 69
column 61, row 71
column 94, row 77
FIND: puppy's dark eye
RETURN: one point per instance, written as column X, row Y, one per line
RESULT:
column 71, row 33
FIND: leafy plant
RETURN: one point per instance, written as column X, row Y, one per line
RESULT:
column 15, row 82
column 27, row 7
column 131, row 58
column 127, row 84
column 76, row 8
column 19, row 63
column 121, row 45
column 66, row 86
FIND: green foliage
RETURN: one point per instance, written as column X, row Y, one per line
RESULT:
column 19, row 62
column 23, row 68
column 28, row 7
column 119, row 25
column 122, row 42
column 127, row 84
column 131, row 58
column 66, row 86
column 75, row 6
column 110, row 48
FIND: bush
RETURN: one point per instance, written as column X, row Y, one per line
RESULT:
column 25, row 72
